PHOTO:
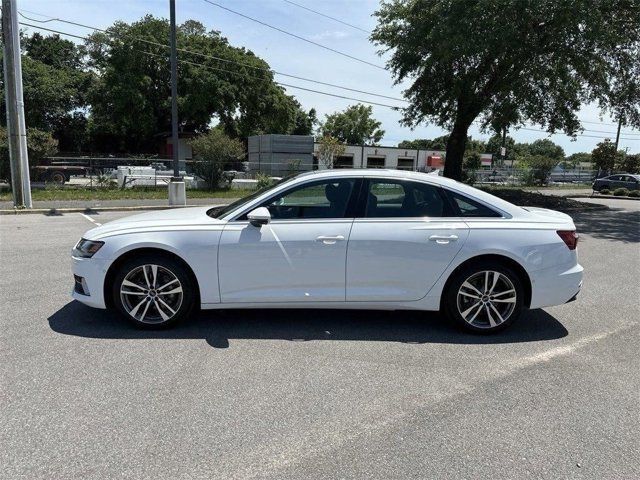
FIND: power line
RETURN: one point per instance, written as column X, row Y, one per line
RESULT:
column 328, row 16
column 296, row 86
column 296, row 36
column 213, row 57
column 227, row 71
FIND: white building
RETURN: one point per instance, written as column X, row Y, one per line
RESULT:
column 362, row 156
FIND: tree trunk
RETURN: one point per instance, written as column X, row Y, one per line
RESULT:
column 455, row 150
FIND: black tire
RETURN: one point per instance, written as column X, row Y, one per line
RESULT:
column 168, row 271
column 487, row 307
column 57, row 177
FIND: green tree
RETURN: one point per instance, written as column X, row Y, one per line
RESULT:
column 472, row 163
column 130, row 102
column 355, row 126
column 55, row 85
column 537, row 168
column 330, row 148
column 629, row 163
column 438, row 143
column 604, row 156
column 575, row 159
column 40, row 144
column 212, row 151
column 506, row 62
column 546, row 148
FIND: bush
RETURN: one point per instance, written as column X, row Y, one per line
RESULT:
column 40, row 144
column 264, row 180
column 605, row 191
column 634, row 193
column 211, row 152
column 621, row 192
column 536, row 169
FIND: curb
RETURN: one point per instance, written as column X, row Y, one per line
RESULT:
column 604, row 196
column 61, row 211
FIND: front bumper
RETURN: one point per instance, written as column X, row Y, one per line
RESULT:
column 556, row 285
column 89, row 281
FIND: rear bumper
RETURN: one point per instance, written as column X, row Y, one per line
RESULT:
column 556, row 285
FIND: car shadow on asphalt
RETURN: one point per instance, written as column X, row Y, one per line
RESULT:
column 612, row 224
column 220, row 328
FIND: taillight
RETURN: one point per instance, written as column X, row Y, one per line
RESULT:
column 570, row 237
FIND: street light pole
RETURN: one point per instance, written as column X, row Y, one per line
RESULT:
column 177, row 191
column 16, row 127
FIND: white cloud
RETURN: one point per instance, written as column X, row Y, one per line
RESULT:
column 329, row 35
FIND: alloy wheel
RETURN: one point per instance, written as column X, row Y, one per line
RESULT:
column 151, row 294
column 486, row 299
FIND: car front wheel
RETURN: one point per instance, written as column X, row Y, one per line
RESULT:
column 153, row 292
column 484, row 298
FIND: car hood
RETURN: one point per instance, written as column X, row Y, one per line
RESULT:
column 150, row 221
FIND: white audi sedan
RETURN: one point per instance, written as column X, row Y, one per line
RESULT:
column 356, row 239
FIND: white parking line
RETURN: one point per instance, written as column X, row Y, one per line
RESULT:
column 91, row 219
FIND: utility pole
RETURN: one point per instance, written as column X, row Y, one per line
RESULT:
column 618, row 133
column 16, row 127
column 503, row 148
column 177, row 191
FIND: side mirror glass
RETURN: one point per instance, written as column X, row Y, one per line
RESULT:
column 258, row 217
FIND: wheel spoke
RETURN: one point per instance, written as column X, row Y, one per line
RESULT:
column 125, row 292
column 468, row 310
column 472, row 288
column 154, row 272
column 496, row 277
column 470, row 320
column 504, row 293
column 162, row 314
column 175, row 290
column 166, row 306
column 469, row 295
column 146, row 277
column 128, row 283
column 144, row 312
column 496, row 312
column 504, row 300
column 486, row 282
column 492, row 322
column 135, row 309
column 166, row 285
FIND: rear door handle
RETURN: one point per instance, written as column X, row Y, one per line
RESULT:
column 443, row 239
column 329, row 239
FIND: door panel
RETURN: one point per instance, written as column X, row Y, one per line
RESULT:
column 400, row 260
column 284, row 261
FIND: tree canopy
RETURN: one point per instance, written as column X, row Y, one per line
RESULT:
column 355, row 125
column 506, row 62
column 131, row 99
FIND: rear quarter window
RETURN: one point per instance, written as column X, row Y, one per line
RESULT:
column 467, row 207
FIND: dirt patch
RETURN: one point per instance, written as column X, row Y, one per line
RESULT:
column 535, row 199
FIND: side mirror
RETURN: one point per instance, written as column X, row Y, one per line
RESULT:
column 258, row 217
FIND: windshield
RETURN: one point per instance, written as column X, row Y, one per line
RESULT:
column 219, row 212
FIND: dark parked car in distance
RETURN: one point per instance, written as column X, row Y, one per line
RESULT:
column 620, row 180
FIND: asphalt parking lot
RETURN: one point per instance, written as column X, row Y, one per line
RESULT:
column 317, row 394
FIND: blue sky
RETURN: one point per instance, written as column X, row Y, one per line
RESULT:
column 295, row 57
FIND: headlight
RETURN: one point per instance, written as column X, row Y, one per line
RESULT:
column 86, row 248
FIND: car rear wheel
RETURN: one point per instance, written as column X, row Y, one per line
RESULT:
column 153, row 292
column 484, row 298
column 57, row 177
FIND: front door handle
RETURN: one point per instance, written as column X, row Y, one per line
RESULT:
column 443, row 239
column 329, row 239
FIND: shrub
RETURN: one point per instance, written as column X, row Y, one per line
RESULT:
column 605, row 191
column 264, row 180
column 212, row 151
column 634, row 193
column 621, row 192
